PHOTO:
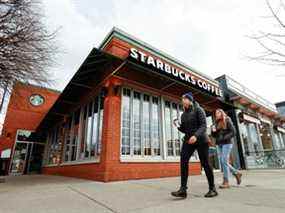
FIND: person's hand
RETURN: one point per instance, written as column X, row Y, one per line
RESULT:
column 211, row 143
column 192, row 140
column 214, row 129
column 175, row 122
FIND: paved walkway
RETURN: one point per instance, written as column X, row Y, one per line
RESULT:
column 261, row 191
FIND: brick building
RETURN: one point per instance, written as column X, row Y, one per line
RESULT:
column 28, row 104
column 113, row 121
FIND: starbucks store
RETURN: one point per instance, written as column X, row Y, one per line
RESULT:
column 114, row 119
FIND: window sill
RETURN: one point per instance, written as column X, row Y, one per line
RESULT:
column 81, row 162
column 152, row 160
column 75, row 163
column 51, row 165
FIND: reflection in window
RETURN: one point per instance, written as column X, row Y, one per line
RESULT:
column 75, row 133
column 126, row 118
column 176, row 139
column 82, row 133
column 252, row 144
column 146, row 125
column 55, row 147
column 155, row 126
column 173, row 136
column 137, row 123
column 278, row 142
column 140, row 124
column 168, row 127
column 266, row 137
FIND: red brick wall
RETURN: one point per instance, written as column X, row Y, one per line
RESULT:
column 92, row 171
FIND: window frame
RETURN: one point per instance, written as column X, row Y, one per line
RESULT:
column 163, row 157
column 69, row 131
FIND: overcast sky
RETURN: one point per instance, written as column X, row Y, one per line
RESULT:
column 209, row 35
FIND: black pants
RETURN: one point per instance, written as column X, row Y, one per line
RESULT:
column 186, row 153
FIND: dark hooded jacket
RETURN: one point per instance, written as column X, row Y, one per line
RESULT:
column 193, row 123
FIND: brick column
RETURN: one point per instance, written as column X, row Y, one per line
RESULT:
column 111, row 127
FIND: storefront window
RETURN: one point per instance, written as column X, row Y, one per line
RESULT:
column 155, row 131
column 81, row 134
column 283, row 138
column 252, row 145
column 67, row 144
column 266, row 136
column 75, row 135
column 126, row 122
column 172, row 135
column 55, row 147
column 137, row 123
column 168, row 127
column 176, row 139
column 140, row 124
column 279, row 142
column 146, row 125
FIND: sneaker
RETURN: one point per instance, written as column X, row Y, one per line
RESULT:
column 238, row 178
column 180, row 193
column 225, row 185
column 211, row 193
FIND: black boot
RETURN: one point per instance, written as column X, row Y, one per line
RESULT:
column 211, row 193
column 182, row 193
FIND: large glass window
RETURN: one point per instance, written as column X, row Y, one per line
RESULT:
column 145, row 118
column 281, row 110
column 137, row 123
column 126, row 122
column 155, row 128
column 279, row 142
column 252, row 144
column 168, row 128
column 146, row 125
column 54, row 147
column 140, row 124
column 81, row 134
column 172, row 111
column 266, row 136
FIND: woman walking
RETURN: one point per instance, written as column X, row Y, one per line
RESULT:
column 224, row 131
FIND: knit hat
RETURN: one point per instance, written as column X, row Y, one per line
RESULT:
column 189, row 95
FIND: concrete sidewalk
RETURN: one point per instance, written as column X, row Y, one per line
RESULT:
column 261, row 191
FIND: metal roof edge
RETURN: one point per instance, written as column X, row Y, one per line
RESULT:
column 255, row 101
column 116, row 32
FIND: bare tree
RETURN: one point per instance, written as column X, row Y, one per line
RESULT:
column 27, row 49
column 272, row 43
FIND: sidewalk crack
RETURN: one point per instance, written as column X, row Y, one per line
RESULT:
column 92, row 199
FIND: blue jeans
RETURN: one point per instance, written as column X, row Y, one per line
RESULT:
column 224, row 154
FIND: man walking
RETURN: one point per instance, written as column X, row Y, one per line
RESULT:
column 193, row 125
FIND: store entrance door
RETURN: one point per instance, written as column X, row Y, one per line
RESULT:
column 27, row 158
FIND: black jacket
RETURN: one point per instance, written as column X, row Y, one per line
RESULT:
column 193, row 122
column 224, row 136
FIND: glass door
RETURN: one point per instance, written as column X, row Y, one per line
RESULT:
column 28, row 154
column 252, row 144
column 19, row 162
column 35, row 158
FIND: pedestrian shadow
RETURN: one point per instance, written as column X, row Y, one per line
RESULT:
column 190, row 196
